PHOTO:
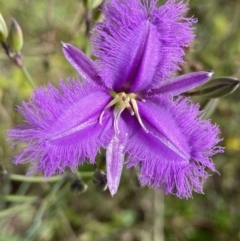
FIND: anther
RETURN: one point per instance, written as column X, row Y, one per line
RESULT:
column 137, row 97
column 124, row 98
column 130, row 110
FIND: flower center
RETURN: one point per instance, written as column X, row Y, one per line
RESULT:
column 124, row 101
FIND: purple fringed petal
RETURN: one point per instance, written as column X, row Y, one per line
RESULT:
column 84, row 65
column 62, row 127
column 138, row 44
column 175, row 32
column 182, row 83
column 163, row 166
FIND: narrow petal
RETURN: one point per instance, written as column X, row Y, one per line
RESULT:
column 115, row 159
column 62, row 127
column 179, row 165
column 138, row 44
column 83, row 65
column 182, row 83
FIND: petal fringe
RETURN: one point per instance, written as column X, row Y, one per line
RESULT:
column 139, row 44
column 62, row 127
column 163, row 166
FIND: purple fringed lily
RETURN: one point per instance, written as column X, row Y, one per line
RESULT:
column 126, row 104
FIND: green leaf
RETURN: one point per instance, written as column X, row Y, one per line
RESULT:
column 218, row 87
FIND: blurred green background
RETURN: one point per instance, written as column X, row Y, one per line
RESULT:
column 53, row 210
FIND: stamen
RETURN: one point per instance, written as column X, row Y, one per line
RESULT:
column 135, row 108
column 137, row 97
column 110, row 104
column 129, row 108
column 123, row 101
column 124, row 98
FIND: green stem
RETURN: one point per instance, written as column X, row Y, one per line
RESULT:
column 28, row 76
column 18, row 198
column 86, row 174
column 13, row 210
column 37, row 179
column 158, row 216
column 18, row 60
column 21, row 178
column 37, row 221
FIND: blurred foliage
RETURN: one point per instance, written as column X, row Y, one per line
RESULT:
column 50, row 210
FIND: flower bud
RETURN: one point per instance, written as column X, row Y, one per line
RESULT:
column 15, row 38
column 218, row 87
column 100, row 180
column 3, row 29
column 78, row 186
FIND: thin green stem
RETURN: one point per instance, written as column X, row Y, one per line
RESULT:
column 36, row 222
column 86, row 174
column 37, row 179
column 158, row 215
column 18, row 198
column 28, row 76
column 13, row 210
column 21, row 178
column 47, row 201
column 18, row 60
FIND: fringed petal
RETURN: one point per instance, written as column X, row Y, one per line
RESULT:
column 138, row 44
column 62, row 127
column 175, row 32
column 178, row 166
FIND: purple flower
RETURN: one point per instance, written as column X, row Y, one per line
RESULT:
column 128, row 104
